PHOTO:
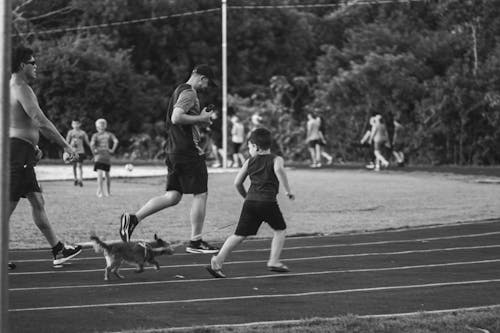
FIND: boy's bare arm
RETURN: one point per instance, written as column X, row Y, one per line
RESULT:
column 279, row 170
column 115, row 144
column 240, row 179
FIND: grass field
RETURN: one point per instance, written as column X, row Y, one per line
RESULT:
column 328, row 201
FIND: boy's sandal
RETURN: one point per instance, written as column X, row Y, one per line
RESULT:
column 280, row 269
column 216, row 273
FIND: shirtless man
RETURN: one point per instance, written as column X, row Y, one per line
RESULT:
column 26, row 122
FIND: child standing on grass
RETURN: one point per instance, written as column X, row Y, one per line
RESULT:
column 266, row 172
column 102, row 155
column 76, row 138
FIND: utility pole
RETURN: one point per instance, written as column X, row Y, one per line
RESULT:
column 5, row 22
column 224, row 83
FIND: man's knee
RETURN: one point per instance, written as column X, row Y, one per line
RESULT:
column 174, row 196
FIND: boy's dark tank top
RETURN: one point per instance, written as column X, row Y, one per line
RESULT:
column 264, row 183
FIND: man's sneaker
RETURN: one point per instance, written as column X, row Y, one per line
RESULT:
column 11, row 266
column 128, row 222
column 65, row 253
column 201, row 246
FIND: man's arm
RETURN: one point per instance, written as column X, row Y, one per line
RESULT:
column 28, row 100
column 240, row 179
column 279, row 170
column 186, row 101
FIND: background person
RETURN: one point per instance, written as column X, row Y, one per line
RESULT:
column 380, row 139
column 237, row 139
column 77, row 138
column 313, row 139
column 100, row 145
column 27, row 121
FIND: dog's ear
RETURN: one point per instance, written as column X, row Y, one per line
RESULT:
column 156, row 237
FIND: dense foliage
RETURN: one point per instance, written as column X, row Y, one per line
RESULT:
column 433, row 64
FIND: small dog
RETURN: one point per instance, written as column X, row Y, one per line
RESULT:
column 137, row 253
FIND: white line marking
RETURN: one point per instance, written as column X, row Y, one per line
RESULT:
column 419, row 240
column 353, row 233
column 287, row 259
column 265, row 296
column 359, row 270
column 301, row 321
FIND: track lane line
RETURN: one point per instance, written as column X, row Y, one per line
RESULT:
column 419, row 240
column 450, row 249
column 264, row 296
column 358, row 270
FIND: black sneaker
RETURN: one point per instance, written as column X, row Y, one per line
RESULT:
column 128, row 222
column 66, row 253
column 11, row 266
column 201, row 246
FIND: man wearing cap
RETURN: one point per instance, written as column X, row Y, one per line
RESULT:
column 187, row 171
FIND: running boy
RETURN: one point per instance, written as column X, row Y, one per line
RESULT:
column 102, row 155
column 76, row 138
column 266, row 172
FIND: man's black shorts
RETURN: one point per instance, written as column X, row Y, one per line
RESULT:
column 22, row 169
column 254, row 213
column 102, row 166
column 187, row 176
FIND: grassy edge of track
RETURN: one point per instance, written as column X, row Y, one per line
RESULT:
column 485, row 320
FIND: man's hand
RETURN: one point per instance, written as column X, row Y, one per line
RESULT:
column 73, row 155
column 206, row 116
column 38, row 154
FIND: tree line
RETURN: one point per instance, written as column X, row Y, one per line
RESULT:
column 435, row 65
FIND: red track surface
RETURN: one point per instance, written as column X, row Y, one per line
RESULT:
column 387, row 272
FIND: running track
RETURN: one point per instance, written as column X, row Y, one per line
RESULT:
column 387, row 272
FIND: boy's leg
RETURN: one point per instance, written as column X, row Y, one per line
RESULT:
column 229, row 245
column 313, row 155
column 276, row 248
column 75, row 176
column 99, row 182
column 108, row 184
column 80, row 170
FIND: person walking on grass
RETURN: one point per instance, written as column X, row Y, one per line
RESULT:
column 76, row 138
column 380, row 139
column 27, row 121
column 102, row 156
column 313, row 139
column 237, row 139
column 266, row 172
column 187, row 171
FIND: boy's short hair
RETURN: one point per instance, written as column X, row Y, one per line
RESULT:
column 261, row 137
column 101, row 121
column 20, row 54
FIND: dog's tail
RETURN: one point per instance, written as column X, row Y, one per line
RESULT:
column 99, row 245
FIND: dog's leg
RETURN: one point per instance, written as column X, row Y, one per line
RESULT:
column 107, row 270
column 155, row 263
column 116, row 270
column 140, row 268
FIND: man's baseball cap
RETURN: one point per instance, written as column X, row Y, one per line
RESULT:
column 205, row 70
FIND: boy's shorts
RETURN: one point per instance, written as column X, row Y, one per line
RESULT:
column 237, row 147
column 22, row 169
column 313, row 143
column 254, row 213
column 80, row 159
column 186, row 176
column 102, row 166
